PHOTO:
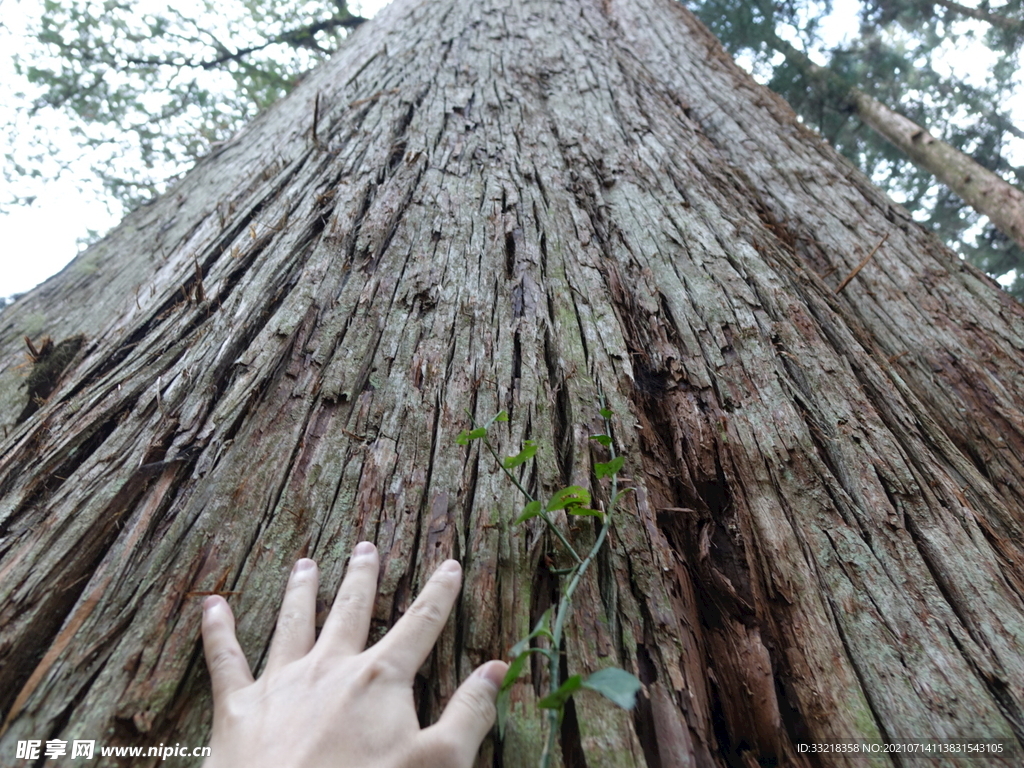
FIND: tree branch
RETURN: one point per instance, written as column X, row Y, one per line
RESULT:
column 995, row 19
column 985, row 191
column 301, row 37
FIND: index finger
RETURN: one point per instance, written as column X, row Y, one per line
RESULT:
column 410, row 641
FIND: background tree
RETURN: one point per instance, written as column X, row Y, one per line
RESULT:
column 148, row 92
column 901, row 60
column 478, row 206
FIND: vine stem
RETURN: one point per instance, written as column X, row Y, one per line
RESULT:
column 555, row 715
column 529, row 497
column 543, row 513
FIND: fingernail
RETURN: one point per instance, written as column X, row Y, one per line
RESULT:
column 450, row 566
column 211, row 601
column 493, row 672
column 363, row 548
column 304, row 564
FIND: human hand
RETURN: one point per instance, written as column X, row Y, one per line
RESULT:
column 329, row 702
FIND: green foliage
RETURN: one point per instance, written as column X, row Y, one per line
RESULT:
column 574, row 495
column 520, row 654
column 611, row 468
column 616, row 685
column 901, row 57
column 557, row 699
column 529, row 449
column 467, row 437
column 533, row 509
column 148, row 91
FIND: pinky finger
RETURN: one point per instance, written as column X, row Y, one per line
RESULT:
column 229, row 670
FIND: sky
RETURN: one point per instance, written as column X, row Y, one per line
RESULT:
column 37, row 240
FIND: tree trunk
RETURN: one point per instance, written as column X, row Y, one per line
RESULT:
column 986, row 192
column 486, row 205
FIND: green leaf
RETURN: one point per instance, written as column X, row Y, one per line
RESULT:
column 616, row 685
column 541, row 628
column 582, row 511
column 465, row 437
column 574, row 494
column 603, row 440
column 520, row 653
column 543, row 625
column 501, row 416
column 557, row 699
column 606, row 412
column 524, row 455
column 515, row 668
column 613, row 466
column 531, row 510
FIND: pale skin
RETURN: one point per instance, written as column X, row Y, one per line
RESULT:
column 333, row 702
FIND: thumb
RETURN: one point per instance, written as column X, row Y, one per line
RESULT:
column 470, row 714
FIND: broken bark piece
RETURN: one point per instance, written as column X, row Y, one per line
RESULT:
column 48, row 365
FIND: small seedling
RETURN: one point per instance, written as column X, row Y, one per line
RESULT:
column 615, row 684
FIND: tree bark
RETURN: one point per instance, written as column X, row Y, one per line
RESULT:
column 486, row 205
column 986, row 192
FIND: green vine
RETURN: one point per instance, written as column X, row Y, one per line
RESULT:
column 616, row 684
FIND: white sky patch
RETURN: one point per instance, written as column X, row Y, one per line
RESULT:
column 842, row 25
column 38, row 240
